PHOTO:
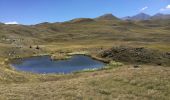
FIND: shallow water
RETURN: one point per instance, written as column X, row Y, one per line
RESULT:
column 44, row 64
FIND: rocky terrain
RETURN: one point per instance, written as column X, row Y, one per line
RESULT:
column 137, row 55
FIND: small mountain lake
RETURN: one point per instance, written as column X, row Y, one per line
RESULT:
column 44, row 64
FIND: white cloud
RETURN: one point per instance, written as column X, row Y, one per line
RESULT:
column 14, row 22
column 166, row 8
column 144, row 8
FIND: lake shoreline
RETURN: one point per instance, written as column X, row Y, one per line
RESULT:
column 44, row 64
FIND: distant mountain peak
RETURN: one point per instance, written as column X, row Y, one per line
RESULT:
column 142, row 13
column 160, row 16
column 140, row 16
column 107, row 17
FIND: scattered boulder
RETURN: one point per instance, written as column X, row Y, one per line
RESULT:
column 159, row 64
column 136, row 66
column 37, row 47
column 168, row 53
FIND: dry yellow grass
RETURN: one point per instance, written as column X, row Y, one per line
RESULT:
column 123, row 83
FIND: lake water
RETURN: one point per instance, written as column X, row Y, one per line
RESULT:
column 44, row 64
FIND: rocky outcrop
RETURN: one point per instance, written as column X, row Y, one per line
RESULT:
column 136, row 55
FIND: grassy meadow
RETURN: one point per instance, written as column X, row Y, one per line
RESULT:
column 89, row 36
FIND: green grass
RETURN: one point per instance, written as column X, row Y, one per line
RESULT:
column 114, row 64
column 110, row 65
column 79, row 53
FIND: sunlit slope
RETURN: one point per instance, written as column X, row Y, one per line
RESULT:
column 89, row 29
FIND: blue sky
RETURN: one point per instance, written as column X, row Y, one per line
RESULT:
column 37, row 11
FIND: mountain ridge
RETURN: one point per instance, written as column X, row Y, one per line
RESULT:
column 144, row 16
column 109, row 16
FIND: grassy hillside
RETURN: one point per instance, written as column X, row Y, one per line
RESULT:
column 124, row 83
column 89, row 29
column 148, row 82
column 151, row 34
